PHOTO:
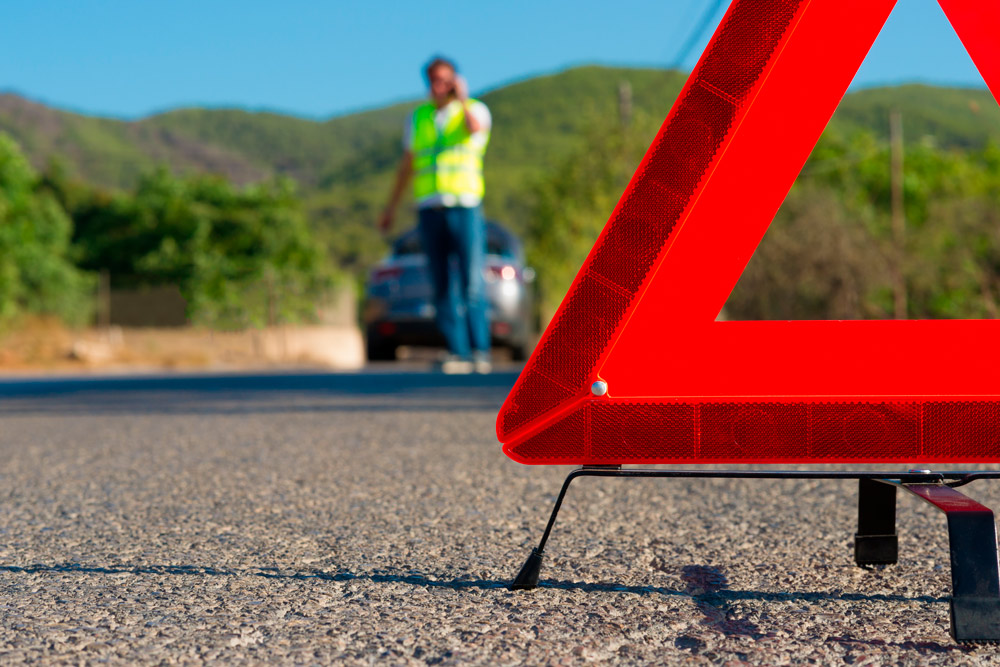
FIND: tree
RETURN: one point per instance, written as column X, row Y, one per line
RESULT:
column 573, row 202
column 830, row 252
column 241, row 257
column 37, row 275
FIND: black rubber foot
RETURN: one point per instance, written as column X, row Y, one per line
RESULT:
column 527, row 578
column 975, row 620
column 876, row 549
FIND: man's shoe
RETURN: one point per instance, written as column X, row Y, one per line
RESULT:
column 481, row 363
column 452, row 365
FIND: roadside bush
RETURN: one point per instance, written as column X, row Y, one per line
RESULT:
column 830, row 252
column 241, row 257
column 37, row 275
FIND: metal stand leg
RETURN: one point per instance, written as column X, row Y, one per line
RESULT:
column 975, row 578
column 876, row 542
column 527, row 578
column 975, row 572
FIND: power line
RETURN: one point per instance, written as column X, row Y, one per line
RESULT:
column 685, row 19
column 699, row 29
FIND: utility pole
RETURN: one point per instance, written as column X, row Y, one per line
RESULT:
column 898, row 215
column 104, row 299
column 625, row 104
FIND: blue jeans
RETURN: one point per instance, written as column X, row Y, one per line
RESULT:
column 454, row 240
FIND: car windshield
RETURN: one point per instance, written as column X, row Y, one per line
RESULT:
column 498, row 242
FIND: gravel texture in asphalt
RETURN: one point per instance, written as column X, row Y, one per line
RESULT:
column 373, row 518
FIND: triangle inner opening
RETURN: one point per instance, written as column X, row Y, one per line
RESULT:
column 894, row 215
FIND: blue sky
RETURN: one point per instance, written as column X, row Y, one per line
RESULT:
column 129, row 58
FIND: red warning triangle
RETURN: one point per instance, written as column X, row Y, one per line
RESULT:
column 640, row 315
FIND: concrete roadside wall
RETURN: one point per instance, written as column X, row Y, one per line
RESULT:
column 45, row 344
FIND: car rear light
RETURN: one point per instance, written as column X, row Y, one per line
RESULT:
column 387, row 273
column 501, row 328
column 496, row 272
column 386, row 328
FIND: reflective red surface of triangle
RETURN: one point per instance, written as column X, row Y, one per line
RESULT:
column 640, row 315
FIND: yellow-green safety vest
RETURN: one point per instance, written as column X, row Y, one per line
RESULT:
column 448, row 162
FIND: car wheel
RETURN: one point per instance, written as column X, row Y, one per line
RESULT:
column 380, row 349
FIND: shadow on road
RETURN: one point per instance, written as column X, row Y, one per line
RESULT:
column 419, row 579
column 713, row 601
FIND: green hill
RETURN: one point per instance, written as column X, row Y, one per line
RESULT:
column 536, row 120
column 344, row 165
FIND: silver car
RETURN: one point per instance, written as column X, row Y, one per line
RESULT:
column 399, row 304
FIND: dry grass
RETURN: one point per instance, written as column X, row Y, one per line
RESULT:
column 36, row 343
column 45, row 345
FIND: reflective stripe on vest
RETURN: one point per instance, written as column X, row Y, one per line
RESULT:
column 448, row 162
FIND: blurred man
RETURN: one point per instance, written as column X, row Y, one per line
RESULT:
column 444, row 142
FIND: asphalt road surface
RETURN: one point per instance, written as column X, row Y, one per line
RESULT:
column 373, row 518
